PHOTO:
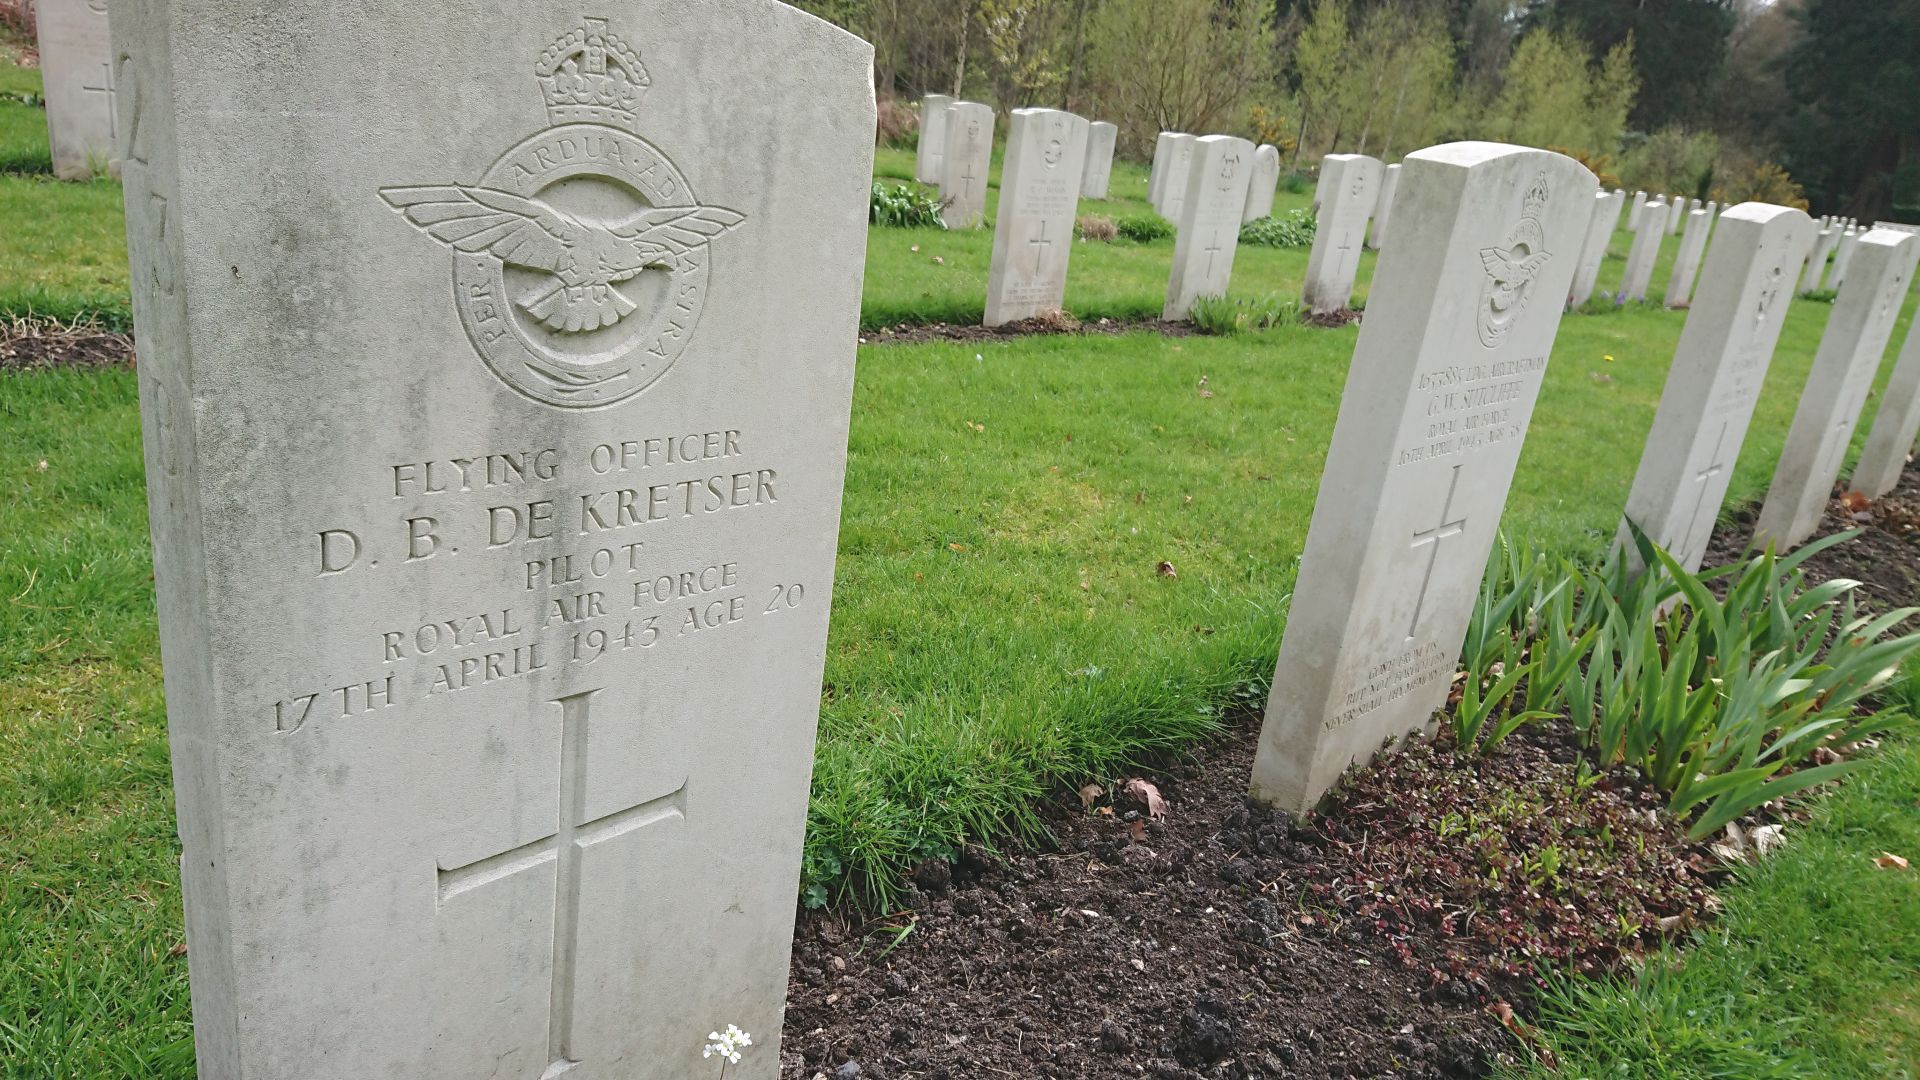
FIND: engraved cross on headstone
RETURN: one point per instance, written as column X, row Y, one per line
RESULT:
column 1213, row 250
column 106, row 87
column 572, row 836
column 1700, row 497
column 1040, row 245
column 1431, row 538
column 1340, row 262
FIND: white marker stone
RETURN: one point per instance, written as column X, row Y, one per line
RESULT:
column 1716, row 378
column 1895, row 423
column 495, row 418
column 931, row 150
column 1817, row 260
column 1265, row 180
column 1450, row 359
column 1686, row 261
column 76, row 66
column 1843, row 258
column 1383, row 206
column 1157, row 171
column 1678, row 209
column 1098, row 176
column 1209, row 230
column 1173, row 190
column 1837, row 387
column 1645, row 251
column 1593, row 248
column 1633, row 212
column 1033, row 232
column 1350, row 185
column 967, row 158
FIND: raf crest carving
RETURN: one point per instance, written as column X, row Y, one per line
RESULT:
column 580, row 257
column 1513, row 269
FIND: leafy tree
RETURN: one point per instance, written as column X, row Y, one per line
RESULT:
column 1856, row 129
column 1182, row 65
column 1320, row 61
column 1555, row 96
column 1680, row 48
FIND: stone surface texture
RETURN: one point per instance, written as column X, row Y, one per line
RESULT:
column 1817, row 260
column 495, row 367
column 77, row 72
column 1644, row 252
column 1593, row 248
column 1382, row 208
column 930, row 151
column 1460, row 323
column 1895, row 423
column 1097, row 179
column 1837, row 387
column 1350, row 186
column 1215, row 193
column 1040, row 181
column 1686, row 260
column 1716, row 378
column 966, row 160
column 1266, row 179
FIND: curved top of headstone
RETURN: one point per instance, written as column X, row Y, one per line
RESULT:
column 1760, row 212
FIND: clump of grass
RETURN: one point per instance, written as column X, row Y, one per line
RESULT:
column 904, row 206
column 1296, row 183
column 1096, row 227
column 1293, row 230
column 1240, row 314
column 1145, row 228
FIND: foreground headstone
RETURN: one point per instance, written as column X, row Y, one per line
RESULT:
column 1644, row 252
column 1686, row 261
column 1450, row 359
column 76, row 67
column 930, row 152
column 1173, row 189
column 1383, row 207
column 1895, row 423
column 1817, row 260
column 1264, row 182
column 966, row 160
column 1837, row 387
column 1209, row 228
column 1097, row 180
column 1593, row 247
column 1040, row 179
column 495, row 418
column 1716, row 377
column 1350, row 187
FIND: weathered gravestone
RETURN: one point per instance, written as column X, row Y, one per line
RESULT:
column 1383, row 207
column 1837, row 388
column 495, row 418
column 1843, row 257
column 1460, row 322
column 1209, row 228
column 1263, row 183
column 76, row 66
column 1686, row 261
column 1644, row 252
column 929, row 153
column 1817, row 259
column 1593, row 246
column 1633, row 213
column 965, row 160
column 1173, row 189
column 1895, row 424
column 1350, row 184
column 1157, row 170
column 1033, row 231
column 1716, row 378
column 1098, row 177
column 1678, row 208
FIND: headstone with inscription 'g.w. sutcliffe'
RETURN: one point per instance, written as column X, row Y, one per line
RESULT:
column 77, row 72
column 1460, row 321
column 495, row 367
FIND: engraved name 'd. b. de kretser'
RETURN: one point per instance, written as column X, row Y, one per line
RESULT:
column 573, row 291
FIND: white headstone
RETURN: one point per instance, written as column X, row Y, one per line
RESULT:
column 1209, row 228
column 493, row 578
column 1678, row 209
column 1157, row 172
column 1817, row 259
column 931, row 150
column 967, row 158
column 1645, row 251
column 76, row 68
column 1633, row 212
column 1716, row 378
column 1443, row 380
column 1593, row 247
column 1350, row 185
column 1686, row 261
column 1033, row 232
column 1843, row 257
column 1173, row 190
column 1266, row 178
column 1098, row 177
column 1837, row 387
column 1895, row 424
column 1383, row 206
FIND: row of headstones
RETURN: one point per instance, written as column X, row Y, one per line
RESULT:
column 494, row 598
column 1462, row 316
column 76, row 72
column 1171, row 176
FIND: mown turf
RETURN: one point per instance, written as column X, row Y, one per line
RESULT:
column 1813, row 971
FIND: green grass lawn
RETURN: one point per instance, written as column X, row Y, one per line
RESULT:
column 999, row 626
column 1812, row 971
